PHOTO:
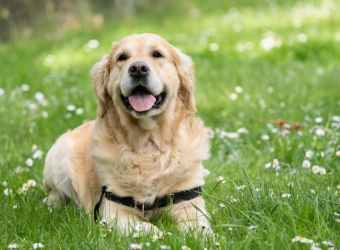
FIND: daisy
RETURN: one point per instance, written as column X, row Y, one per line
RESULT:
column 8, row 191
column 327, row 243
column 136, row 235
column 316, row 169
column 306, row 164
column 241, row 187
column 221, row 179
column 70, row 107
column 312, row 191
column 320, row 132
column 265, row 137
column 136, row 246
column 251, row 227
column 11, row 246
column 204, row 225
column 19, row 191
column 337, row 220
column 34, row 147
column 140, row 227
column 286, row 195
column 275, row 163
column 297, row 238
column 309, row 241
column 318, row 119
column 37, row 245
column 39, row 97
column 79, row 111
column 164, row 247
column 25, row 187
column 309, row 154
column 37, row 154
column 242, row 131
column 221, row 205
column 337, row 153
column 186, row 248
column 322, row 171
column 336, row 214
column 206, row 172
column 147, row 244
column 234, row 201
column 154, row 238
column 4, row 183
column 268, row 165
column 336, row 118
column 29, row 162
column 31, row 183
column 291, row 184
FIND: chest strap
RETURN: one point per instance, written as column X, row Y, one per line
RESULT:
column 159, row 202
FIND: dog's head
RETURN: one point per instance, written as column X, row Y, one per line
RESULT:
column 143, row 76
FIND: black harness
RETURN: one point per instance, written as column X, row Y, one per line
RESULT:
column 159, row 202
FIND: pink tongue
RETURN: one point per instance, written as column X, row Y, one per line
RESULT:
column 142, row 101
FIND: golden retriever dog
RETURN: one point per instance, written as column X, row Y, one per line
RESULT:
column 145, row 143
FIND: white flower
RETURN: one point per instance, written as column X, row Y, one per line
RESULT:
column 186, row 248
column 37, row 154
column 327, row 243
column 11, row 246
column 39, row 97
column 70, row 107
column 268, row 165
column 37, row 245
column 241, row 187
column 286, row 195
column 291, row 184
column 19, row 191
column 206, row 172
column 308, row 241
column 49, row 59
column 318, row 119
column 164, row 247
column 221, row 179
column 295, row 239
column 147, row 244
column 242, row 130
column 25, row 87
column 214, row 47
column 31, row 183
column 322, row 171
column 234, row 200
column 34, row 147
column 44, row 114
column 309, row 154
column 251, row 227
column 275, row 163
column 29, row 162
column 204, row 225
column 337, row 153
column 336, row 214
column 221, row 205
column 8, row 191
column 320, row 132
column 306, row 164
column 136, row 235
column 25, row 187
column 316, row 169
column 302, row 38
column 93, row 44
column 233, row 96
column 139, row 227
column 79, row 111
column 337, row 220
column 336, row 118
column 238, row 89
column 265, row 137
column 136, row 246
column 312, row 191
column 154, row 238
column 4, row 183
column 2, row 92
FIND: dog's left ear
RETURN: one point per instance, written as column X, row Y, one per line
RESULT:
column 186, row 73
column 100, row 77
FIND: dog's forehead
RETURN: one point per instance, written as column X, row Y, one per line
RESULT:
column 142, row 43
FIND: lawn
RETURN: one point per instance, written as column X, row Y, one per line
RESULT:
column 268, row 86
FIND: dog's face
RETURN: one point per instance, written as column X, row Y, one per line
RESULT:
column 144, row 75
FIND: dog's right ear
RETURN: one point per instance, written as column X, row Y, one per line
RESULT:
column 100, row 78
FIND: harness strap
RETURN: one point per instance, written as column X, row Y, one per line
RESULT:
column 159, row 202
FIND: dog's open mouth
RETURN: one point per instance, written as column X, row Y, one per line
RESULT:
column 141, row 100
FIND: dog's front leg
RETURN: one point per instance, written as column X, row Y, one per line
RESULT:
column 189, row 218
column 127, row 219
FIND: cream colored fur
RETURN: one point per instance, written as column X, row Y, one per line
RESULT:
column 140, row 156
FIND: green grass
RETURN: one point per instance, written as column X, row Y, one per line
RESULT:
column 290, row 82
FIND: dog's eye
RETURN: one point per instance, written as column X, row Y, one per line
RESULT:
column 157, row 54
column 122, row 57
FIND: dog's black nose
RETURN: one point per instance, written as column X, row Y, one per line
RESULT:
column 138, row 69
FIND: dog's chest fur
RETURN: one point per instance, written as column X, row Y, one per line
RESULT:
column 152, row 171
